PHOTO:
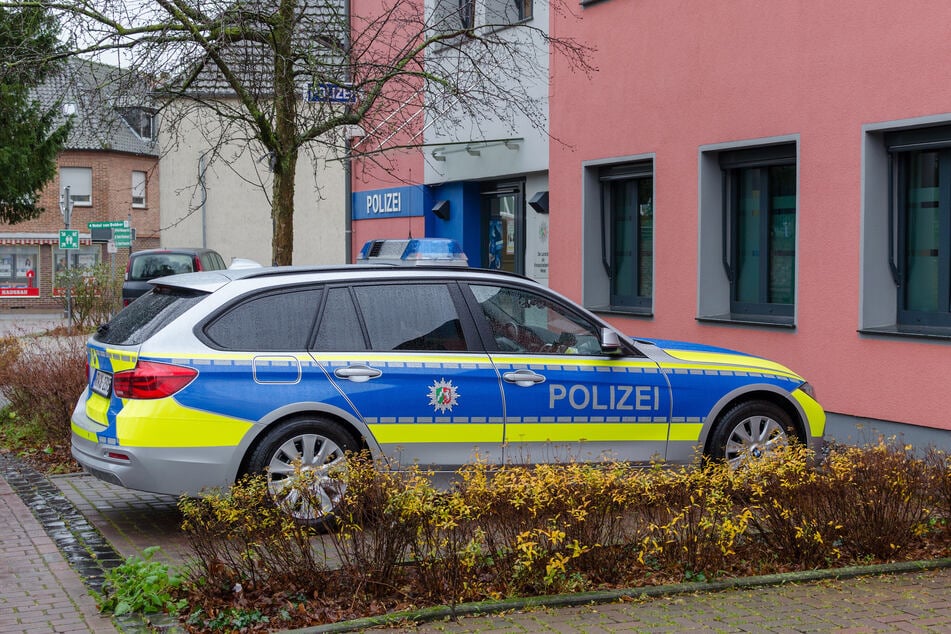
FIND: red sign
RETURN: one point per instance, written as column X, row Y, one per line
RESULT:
column 19, row 292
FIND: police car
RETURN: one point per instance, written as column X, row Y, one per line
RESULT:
column 216, row 374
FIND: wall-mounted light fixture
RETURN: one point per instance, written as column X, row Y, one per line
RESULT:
column 438, row 154
column 441, row 209
column 473, row 151
column 539, row 202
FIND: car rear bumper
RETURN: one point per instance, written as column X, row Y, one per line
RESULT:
column 168, row 470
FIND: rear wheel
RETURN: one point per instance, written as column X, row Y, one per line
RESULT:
column 751, row 430
column 305, row 462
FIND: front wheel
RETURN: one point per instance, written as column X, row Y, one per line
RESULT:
column 751, row 430
column 305, row 462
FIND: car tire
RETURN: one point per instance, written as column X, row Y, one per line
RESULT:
column 749, row 430
column 321, row 447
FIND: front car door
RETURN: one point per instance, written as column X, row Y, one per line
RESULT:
column 411, row 364
column 564, row 398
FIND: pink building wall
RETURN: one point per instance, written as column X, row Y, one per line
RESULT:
column 676, row 76
column 376, row 164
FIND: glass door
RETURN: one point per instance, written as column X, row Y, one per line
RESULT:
column 503, row 220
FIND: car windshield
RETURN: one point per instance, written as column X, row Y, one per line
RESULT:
column 147, row 315
column 148, row 267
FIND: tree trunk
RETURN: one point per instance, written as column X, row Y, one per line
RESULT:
column 285, row 118
column 282, row 210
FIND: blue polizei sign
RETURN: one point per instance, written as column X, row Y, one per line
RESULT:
column 331, row 93
column 396, row 202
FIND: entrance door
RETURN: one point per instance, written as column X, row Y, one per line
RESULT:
column 503, row 225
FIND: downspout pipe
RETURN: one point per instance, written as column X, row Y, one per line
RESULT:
column 347, row 169
column 202, row 166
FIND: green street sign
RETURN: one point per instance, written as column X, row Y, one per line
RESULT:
column 108, row 224
column 69, row 238
column 122, row 237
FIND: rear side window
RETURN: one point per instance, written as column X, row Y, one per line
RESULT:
column 279, row 321
column 339, row 326
column 410, row 317
column 147, row 267
column 147, row 315
column 211, row 261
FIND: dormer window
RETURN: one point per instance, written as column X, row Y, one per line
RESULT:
column 141, row 120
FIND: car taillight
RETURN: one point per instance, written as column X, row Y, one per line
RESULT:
column 149, row 379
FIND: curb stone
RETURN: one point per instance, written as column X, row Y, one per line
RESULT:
column 437, row 613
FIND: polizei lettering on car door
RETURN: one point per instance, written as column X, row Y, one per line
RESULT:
column 631, row 398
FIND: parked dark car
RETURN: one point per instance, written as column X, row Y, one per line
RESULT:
column 150, row 264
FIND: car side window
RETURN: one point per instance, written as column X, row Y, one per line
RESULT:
column 339, row 329
column 280, row 321
column 524, row 321
column 418, row 317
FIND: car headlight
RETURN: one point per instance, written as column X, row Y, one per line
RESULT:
column 808, row 389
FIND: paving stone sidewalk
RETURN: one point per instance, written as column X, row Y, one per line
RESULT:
column 39, row 591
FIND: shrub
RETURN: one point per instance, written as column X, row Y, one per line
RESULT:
column 514, row 530
column 792, row 508
column 246, row 544
column 95, row 293
column 42, row 377
column 882, row 498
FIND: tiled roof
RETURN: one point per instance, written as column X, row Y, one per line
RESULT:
column 94, row 93
column 320, row 30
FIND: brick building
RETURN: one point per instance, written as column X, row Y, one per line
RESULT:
column 111, row 167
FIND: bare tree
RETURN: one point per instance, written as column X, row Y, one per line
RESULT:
column 293, row 76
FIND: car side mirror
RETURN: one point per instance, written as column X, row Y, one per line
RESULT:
column 610, row 342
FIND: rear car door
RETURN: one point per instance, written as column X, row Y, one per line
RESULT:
column 564, row 398
column 409, row 360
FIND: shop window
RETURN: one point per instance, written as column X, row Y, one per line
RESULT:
column 619, row 236
column 138, row 189
column 79, row 181
column 19, row 271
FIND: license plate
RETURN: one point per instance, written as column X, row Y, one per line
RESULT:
column 102, row 383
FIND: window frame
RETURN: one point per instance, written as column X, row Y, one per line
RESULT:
column 555, row 303
column 471, row 337
column 734, row 165
column 636, row 173
column 73, row 176
column 901, row 147
column 143, row 186
column 237, row 303
column 596, row 284
column 138, row 118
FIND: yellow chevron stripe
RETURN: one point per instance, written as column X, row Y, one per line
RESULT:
column 165, row 423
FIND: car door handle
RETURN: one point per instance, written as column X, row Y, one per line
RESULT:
column 523, row 378
column 357, row 373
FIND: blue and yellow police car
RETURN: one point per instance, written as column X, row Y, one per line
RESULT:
column 216, row 374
